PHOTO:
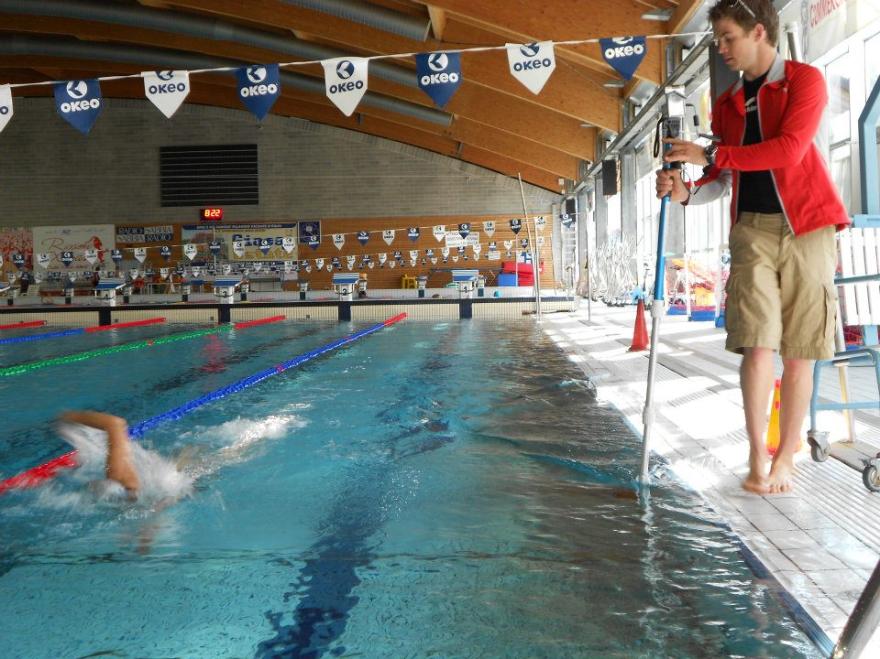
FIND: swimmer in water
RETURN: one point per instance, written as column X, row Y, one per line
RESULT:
column 127, row 465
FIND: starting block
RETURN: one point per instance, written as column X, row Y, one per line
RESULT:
column 344, row 284
column 465, row 280
column 107, row 289
column 224, row 289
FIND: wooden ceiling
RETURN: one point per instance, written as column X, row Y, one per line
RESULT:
column 495, row 122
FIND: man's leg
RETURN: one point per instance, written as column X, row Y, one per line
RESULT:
column 756, row 381
column 797, row 386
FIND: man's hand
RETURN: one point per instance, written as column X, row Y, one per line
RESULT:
column 684, row 151
column 669, row 182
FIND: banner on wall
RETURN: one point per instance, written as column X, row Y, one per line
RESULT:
column 309, row 232
column 345, row 81
column 5, row 105
column 133, row 236
column 16, row 240
column 78, row 102
column 439, row 75
column 56, row 239
column 532, row 63
column 826, row 23
column 167, row 90
column 245, row 242
column 624, row 54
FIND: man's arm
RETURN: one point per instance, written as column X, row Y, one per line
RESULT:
column 119, row 465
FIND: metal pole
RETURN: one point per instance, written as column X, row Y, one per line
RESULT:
column 673, row 124
column 862, row 623
column 536, row 265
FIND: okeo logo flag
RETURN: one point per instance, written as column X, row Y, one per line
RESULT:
column 532, row 63
column 214, row 247
column 464, row 229
column 363, row 237
column 5, row 105
column 440, row 232
column 167, row 90
column 489, row 227
column 67, row 258
column 624, row 54
column 238, row 248
column 413, row 233
column 18, row 258
column 140, row 253
column 79, row 103
column 388, row 236
column 515, row 226
column 43, row 260
column 439, row 75
column 345, row 80
column 165, row 252
column 567, row 220
column 116, row 255
column 259, row 87
column 190, row 251
column 338, row 240
column 288, row 243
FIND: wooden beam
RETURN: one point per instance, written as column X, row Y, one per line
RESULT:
column 683, row 15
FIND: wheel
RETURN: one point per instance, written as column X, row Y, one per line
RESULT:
column 817, row 453
column 871, row 478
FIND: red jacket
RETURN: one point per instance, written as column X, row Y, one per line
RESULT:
column 790, row 106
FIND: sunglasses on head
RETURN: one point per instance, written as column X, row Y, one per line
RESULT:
column 734, row 3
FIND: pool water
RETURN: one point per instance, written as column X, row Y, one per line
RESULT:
column 447, row 490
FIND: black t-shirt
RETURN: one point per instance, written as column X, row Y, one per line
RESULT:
column 757, row 193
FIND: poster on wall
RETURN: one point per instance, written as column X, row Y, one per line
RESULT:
column 16, row 240
column 826, row 23
column 254, row 242
column 137, row 236
column 76, row 239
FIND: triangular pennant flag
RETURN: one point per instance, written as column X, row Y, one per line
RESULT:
column 624, row 54
column 214, row 247
column 140, row 253
column 464, row 229
column 167, row 90
column 91, row 255
column 489, row 227
column 116, row 255
column 265, row 245
column 5, row 105
column 413, row 253
column 79, row 103
column 338, row 240
column 238, row 248
column 258, row 87
column 540, row 223
column 43, row 260
column 413, row 233
column 515, row 226
column 445, row 252
column 508, row 244
column 134, row 272
column 349, row 262
column 477, row 248
column 440, row 232
column 226, row 269
column 314, row 241
column 319, row 263
column 18, row 258
column 190, row 251
column 165, row 252
column 532, row 63
column 288, row 243
column 345, row 80
column 439, row 75
column 382, row 258
column 391, row 264
column 567, row 220
column 197, row 271
column 388, row 236
column 363, row 237
column 433, row 260
column 258, row 265
column 164, row 272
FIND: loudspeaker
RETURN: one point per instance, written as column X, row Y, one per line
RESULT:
column 570, row 206
column 609, row 178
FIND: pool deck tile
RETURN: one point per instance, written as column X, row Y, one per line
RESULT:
column 821, row 541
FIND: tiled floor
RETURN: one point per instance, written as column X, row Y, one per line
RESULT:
column 822, row 540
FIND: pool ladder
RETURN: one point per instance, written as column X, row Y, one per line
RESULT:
column 862, row 622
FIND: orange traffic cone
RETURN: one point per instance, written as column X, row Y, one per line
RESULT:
column 772, row 440
column 640, row 332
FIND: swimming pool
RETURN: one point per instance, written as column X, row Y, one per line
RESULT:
column 435, row 489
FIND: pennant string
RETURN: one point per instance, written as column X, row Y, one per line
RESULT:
column 477, row 49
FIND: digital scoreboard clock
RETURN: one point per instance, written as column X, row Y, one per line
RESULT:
column 210, row 214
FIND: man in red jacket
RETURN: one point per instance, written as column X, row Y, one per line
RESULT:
column 784, row 211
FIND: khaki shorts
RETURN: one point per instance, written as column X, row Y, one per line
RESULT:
column 780, row 293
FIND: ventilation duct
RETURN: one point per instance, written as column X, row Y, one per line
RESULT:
column 370, row 15
column 194, row 26
column 152, row 58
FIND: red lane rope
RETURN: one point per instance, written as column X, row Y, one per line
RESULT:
column 261, row 321
column 131, row 323
column 22, row 325
column 36, row 475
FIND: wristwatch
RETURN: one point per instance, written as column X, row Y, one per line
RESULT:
column 709, row 153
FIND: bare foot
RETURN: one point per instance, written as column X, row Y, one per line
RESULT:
column 756, row 481
column 781, row 472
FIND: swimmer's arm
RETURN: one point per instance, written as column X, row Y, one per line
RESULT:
column 119, row 464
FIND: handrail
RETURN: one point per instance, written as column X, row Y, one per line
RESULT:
column 862, row 622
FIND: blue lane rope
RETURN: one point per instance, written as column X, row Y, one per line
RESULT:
column 45, row 335
column 172, row 415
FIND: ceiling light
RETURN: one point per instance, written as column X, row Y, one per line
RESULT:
column 657, row 15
